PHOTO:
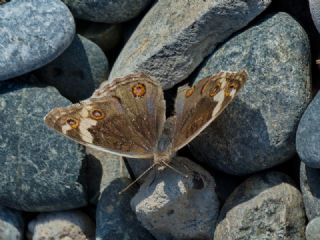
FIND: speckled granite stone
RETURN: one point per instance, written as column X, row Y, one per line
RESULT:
column 265, row 206
column 313, row 229
column 33, row 33
column 257, row 130
column 172, row 48
column 115, row 219
column 78, row 71
column 39, row 169
column 68, row 225
column 11, row 224
column 308, row 134
column 108, row 11
column 315, row 12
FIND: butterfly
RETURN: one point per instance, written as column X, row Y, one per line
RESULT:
column 127, row 116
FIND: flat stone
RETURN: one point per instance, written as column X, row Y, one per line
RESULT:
column 33, row 33
column 40, row 170
column 78, row 71
column 257, row 130
column 108, row 11
column 172, row 48
column 313, row 229
column 65, row 225
column 11, row 224
column 308, row 135
column 265, row 206
column 310, row 187
column 172, row 206
column 115, row 219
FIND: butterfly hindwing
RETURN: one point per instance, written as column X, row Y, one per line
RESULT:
column 197, row 106
column 124, row 117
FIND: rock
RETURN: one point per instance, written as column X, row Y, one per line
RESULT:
column 102, row 169
column 315, row 13
column 106, row 36
column 66, row 225
column 172, row 48
column 11, row 224
column 78, row 71
column 265, row 206
column 172, row 206
column 40, row 170
column 308, row 135
column 257, row 130
column 115, row 219
column 33, row 33
column 313, row 229
column 310, row 187
column 108, row 11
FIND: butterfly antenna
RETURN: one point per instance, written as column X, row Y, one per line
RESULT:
column 176, row 170
column 137, row 179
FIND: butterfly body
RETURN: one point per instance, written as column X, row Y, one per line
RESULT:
column 127, row 116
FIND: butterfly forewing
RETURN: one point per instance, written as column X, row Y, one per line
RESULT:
column 125, row 117
column 197, row 106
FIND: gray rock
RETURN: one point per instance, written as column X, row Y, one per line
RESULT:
column 257, row 130
column 102, row 169
column 108, row 11
column 172, row 48
column 33, row 33
column 315, row 12
column 66, row 225
column 11, row 224
column 310, row 187
column 78, row 71
column 265, row 206
column 115, row 219
column 172, row 206
column 313, row 229
column 308, row 134
column 40, row 170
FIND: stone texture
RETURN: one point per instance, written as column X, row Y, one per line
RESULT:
column 40, row 170
column 33, row 33
column 257, row 130
column 115, row 219
column 66, row 225
column 308, row 134
column 108, row 11
column 265, row 206
column 172, row 48
column 102, row 169
column 313, row 229
column 172, row 206
column 11, row 224
column 78, row 71
column 310, row 187
column 315, row 12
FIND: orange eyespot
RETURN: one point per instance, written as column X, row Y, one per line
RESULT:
column 97, row 114
column 214, row 91
column 190, row 91
column 74, row 123
column 139, row 90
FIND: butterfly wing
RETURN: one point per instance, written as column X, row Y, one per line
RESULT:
column 125, row 117
column 197, row 106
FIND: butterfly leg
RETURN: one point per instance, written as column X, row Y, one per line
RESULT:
column 174, row 169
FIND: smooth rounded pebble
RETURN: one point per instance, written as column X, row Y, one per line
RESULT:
column 173, row 206
column 315, row 12
column 115, row 219
column 40, row 170
column 313, row 229
column 265, row 206
column 11, row 224
column 310, row 187
column 108, row 11
column 33, row 33
column 308, row 135
column 78, row 71
column 68, row 225
column 257, row 130
column 172, row 48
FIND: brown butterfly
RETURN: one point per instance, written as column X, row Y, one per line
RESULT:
column 127, row 116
